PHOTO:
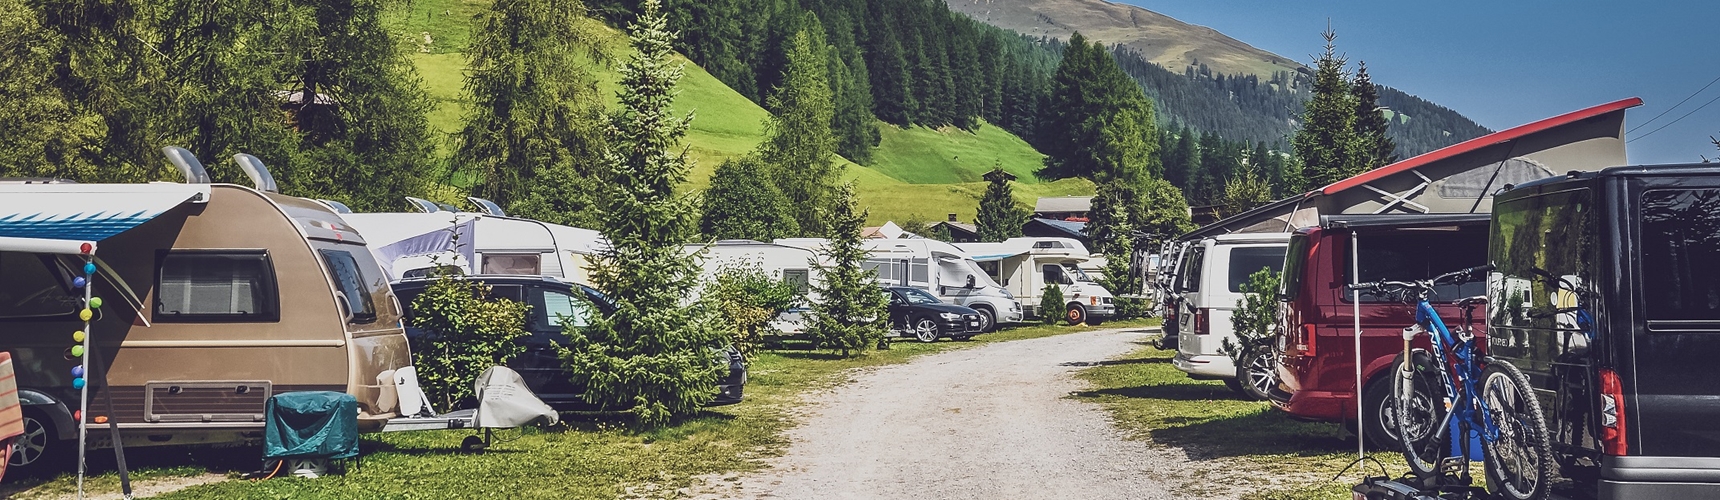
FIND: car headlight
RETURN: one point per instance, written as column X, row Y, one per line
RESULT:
column 950, row 315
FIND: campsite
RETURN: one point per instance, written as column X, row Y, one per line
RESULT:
column 880, row 249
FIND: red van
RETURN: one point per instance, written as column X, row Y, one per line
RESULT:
column 1317, row 378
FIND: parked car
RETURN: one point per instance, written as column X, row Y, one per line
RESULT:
column 918, row 314
column 1210, row 285
column 1605, row 294
column 551, row 300
column 1317, row 370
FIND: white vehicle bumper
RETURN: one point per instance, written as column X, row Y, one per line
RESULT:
column 1210, row 366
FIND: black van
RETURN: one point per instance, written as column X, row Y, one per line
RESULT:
column 1607, row 295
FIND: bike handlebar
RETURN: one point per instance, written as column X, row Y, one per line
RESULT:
column 1454, row 277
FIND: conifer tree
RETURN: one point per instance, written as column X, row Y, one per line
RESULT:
column 535, row 119
column 105, row 78
column 800, row 147
column 1096, row 123
column 851, row 91
column 742, row 204
column 852, row 315
column 1108, row 221
column 1327, row 145
column 1244, row 191
column 652, row 357
column 1000, row 217
column 1378, row 150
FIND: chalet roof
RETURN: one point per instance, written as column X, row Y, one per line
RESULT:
column 1059, row 204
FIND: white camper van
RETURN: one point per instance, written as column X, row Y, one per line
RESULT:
column 411, row 244
column 791, row 263
column 1025, row 265
column 1209, row 282
column 945, row 271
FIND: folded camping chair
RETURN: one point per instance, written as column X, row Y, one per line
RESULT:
column 11, row 414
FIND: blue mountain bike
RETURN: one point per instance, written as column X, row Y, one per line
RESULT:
column 1447, row 397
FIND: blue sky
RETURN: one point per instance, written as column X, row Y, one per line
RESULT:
column 1505, row 63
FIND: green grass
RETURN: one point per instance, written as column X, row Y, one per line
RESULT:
column 584, row 457
column 916, row 173
column 1284, row 458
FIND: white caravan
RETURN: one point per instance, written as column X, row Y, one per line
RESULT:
column 794, row 264
column 945, row 271
column 411, row 244
column 1025, row 265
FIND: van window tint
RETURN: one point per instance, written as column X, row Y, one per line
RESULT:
column 1295, row 260
column 1192, row 267
column 1405, row 255
column 562, row 310
column 1245, row 261
column 225, row 286
column 350, row 281
column 34, row 286
column 1541, row 246
column 1681, row 253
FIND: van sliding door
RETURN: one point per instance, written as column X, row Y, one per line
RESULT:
column 1677, row 385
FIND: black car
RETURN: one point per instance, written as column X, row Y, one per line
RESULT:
column 915, row 313
column 551, row 300
column 1607, row 294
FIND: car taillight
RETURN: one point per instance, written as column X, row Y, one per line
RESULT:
column 1307, row 345
column 1202, row 325
column 1612, row 414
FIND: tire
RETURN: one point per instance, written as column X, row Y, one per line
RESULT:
column 1418, row 412
column 39, row 452
column 1075, row 315
column 1520, row 463
column 987, row 319
column 1379, row 423
column 1235, row 385
column 926, row 330
column 1256, row 373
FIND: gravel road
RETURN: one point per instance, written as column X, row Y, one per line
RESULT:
column 988, row 422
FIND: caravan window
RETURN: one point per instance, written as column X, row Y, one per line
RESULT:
column 224, row 285
column 350, row 282
column 513, row 264
column 35, row 287
column 801, row 279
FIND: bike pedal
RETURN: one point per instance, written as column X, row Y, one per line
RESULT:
column 1452, row 466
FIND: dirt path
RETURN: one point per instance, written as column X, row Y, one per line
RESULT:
column 987, row 422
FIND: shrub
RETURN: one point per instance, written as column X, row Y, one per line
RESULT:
column 1051, row 303
column 748, row 298
column 466, row 335
column 1256, row 317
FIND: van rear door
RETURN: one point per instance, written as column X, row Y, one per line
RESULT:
column 1677, row 337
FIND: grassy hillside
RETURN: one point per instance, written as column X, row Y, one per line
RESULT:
column 917, row 172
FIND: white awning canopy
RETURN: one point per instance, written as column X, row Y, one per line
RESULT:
column 61, row 218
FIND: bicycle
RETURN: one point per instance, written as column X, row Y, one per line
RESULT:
column 1453, row 390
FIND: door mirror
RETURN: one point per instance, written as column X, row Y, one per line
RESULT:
column 971, row 282
column 345, row 307
column 1065, row 280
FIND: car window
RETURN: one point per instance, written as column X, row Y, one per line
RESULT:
column 562, row 310
column 1295, row 260
column 1681, row 253
column 228, row 286
column 1404, row 255
column 1076, row 272
column 1191, row 269
column 917, row 296
column 1245, row 261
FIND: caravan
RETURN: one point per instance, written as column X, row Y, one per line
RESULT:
column 1026, row 265
column 410, row 245
column 216, row 296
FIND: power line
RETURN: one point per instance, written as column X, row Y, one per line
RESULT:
column 1675, row 106
column 1681, row 118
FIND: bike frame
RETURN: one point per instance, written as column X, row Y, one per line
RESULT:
column 1460, row 370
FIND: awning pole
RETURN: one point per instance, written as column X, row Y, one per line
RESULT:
column 88, row 315
column 1356, row 316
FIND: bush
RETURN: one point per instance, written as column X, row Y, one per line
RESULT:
column 467, row 334
column 748, row 299
column 1051, row 304
column 1256, row 316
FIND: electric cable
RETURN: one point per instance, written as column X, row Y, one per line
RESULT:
column 1675, row 106
column 1681, row 118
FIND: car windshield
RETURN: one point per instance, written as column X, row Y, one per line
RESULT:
column 917, row 296
column 1075, row 272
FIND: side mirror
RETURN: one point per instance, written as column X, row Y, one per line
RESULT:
column 1066, row 280
column 345, row 307
column 971, row 282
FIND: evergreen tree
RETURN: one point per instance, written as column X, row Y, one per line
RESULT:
column 800, row 147
column 106, row 78
column 852, row 315
column 1108, row 221
column 852, row 121
column 1000, row 217
column 1327, row 145
column 891, row 81
column 535, row 117
column 1244, row 191
column 1185, row 173
column 1096, row 123
column 1378, row 150
column 743, row 205
column 652, row 356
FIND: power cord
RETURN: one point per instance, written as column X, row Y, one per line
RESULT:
column 1365, row 458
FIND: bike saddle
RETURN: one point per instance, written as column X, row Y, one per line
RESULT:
column 1470, row 301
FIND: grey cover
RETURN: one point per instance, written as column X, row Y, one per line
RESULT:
column 505, row 402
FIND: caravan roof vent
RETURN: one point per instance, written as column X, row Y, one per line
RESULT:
column 1048, row 244
column 423, row 205
column 187, row 164
column 258, row 173
column 337, row 207
column 487, row 207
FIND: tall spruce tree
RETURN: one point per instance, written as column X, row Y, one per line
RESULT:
column 1000, row 217
column 1108, row 221
column 534, row 124
column 851, row 93
column 1378, row 150
column 851, row 316
column 743, row 204
column 652, row 357
column 1327, row 146
column 1097, row 123
column 107, row 80
column 1245, row 190
column 801, row 146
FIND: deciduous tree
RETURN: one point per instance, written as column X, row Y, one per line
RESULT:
column 742, row 203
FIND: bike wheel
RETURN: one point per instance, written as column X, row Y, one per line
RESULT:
column 1519, row 463
column 1418, row 412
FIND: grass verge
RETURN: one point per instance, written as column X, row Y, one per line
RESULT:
column 584, row 457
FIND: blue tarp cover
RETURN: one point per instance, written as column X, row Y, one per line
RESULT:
column 311, row 424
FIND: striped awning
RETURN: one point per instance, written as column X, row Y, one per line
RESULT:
column 60, row 218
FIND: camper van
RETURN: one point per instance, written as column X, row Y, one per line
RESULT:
column 945, row 271
column 1025, row 265
column 410, row 245
column 1210, row 280
column 216, row 297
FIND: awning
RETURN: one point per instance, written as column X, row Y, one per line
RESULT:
column 60, row 218
column 396, row 236
column 996, row 256
column 1402, row 221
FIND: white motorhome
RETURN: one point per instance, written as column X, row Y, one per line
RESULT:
column 795, row 264
column 1025, row 265
column 411, row 244
column 936, row 267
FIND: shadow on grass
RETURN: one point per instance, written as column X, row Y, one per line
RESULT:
column 1264, row 432
column 1115, row 362
column 1172, row 392
column 142, row 463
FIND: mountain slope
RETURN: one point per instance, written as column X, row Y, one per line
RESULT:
column 1159, row 38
